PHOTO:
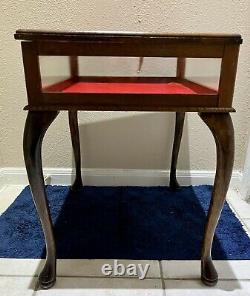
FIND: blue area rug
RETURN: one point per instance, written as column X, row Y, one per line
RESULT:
column 121, row 222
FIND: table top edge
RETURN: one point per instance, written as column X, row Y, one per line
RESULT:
column 95, row 35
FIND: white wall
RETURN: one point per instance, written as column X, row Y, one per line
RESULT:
column 117, row 139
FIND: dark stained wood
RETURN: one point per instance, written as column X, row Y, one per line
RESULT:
column 75, row 139
column 222, row 129
column 78, row 36
column 76, row 107
column 32, row 71
column 149, row 101
column 228, row 74
column 151, row 48
column 179, row 122
column 180, row 68
column 128, row 79
column 36, row 125
column 74, row 68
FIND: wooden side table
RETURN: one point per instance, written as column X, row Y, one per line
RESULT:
column 176, row 94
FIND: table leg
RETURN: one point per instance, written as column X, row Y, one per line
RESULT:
column 179, row 122
column 222, row 129
column 74, row 131
column 37, row 123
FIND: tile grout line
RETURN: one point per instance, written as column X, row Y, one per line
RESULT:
column 120, row 277
column 2, row 188
column 82, row 276
column 162, row 278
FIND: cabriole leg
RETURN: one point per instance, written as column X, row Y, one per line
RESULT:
column 221, row 127
column 179, row 122
column 74, row 132
column 37, row 123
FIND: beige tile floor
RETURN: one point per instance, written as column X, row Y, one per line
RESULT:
column 84, row 277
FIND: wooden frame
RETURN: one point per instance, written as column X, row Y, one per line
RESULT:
column 128, row 44
column 45, row 104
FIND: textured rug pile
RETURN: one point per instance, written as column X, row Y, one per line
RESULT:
column 121, row 222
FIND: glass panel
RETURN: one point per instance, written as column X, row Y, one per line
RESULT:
column 204, row 71
column 54, row 69
column 148, row 75
column 127, row 66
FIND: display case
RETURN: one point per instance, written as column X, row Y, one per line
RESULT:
column 103, row 71
column 125, row 71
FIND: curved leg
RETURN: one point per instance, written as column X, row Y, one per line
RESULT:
column 221, row 127
column 179, row 122
column 36, row 125
column 74, row 131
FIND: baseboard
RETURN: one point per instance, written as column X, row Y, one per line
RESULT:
column 115, row 177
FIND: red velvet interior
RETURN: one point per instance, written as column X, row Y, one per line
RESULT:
column 137, row 88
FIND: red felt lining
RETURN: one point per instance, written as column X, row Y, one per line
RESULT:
column 138, row 88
